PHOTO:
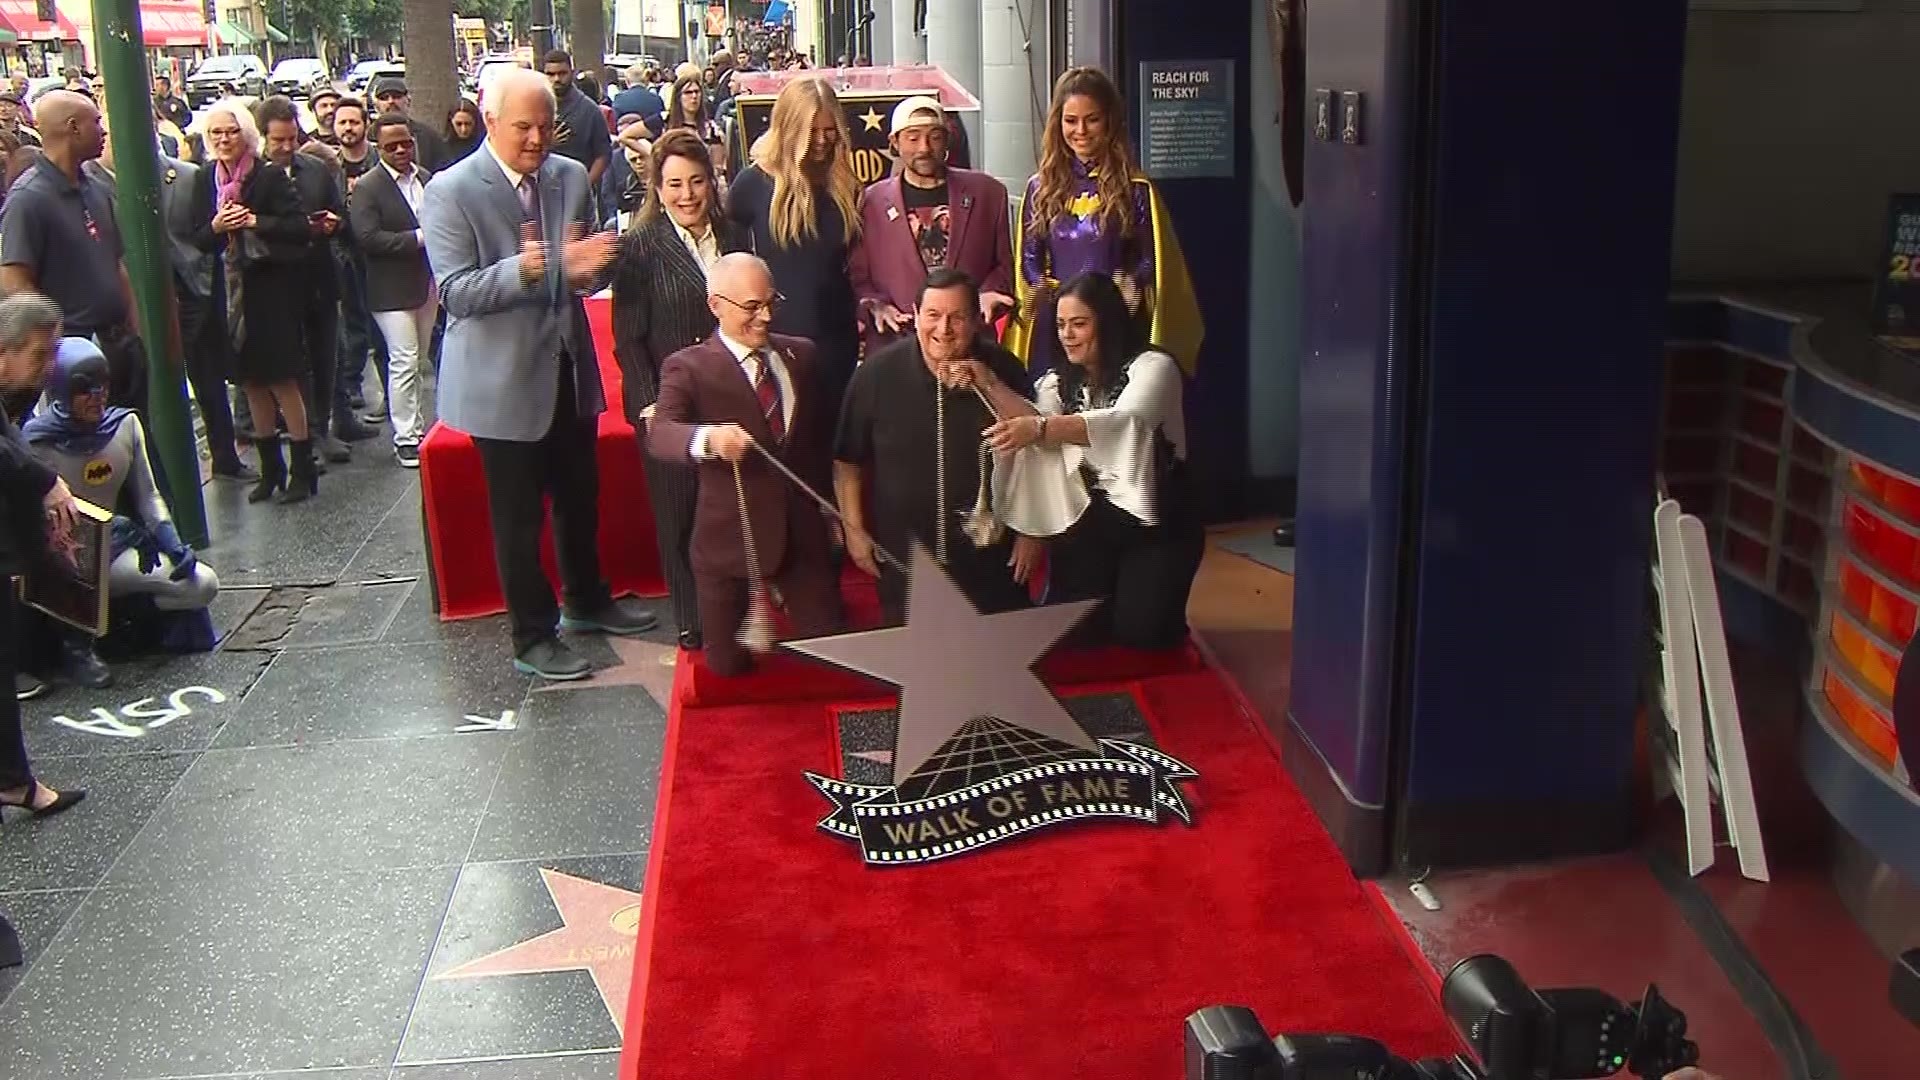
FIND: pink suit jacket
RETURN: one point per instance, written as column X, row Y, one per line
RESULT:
column 885, row 262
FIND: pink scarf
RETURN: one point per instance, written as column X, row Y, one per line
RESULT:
column 230, row 179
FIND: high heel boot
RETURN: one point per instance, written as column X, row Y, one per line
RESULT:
column 303, row 479
column 273, row 468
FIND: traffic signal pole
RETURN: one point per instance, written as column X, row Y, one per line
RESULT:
column 136, row 170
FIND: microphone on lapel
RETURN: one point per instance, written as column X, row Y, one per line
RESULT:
column 966, row 202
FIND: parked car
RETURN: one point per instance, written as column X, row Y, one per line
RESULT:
column 365, row 72
column 299, row 76
column 245, row 75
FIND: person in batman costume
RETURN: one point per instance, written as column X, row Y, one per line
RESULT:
column 101, row 453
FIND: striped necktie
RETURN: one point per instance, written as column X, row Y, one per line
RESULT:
column 767, row 388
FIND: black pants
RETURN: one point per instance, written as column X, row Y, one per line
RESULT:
column 982, row 573
column 14, row 769
column 562, row 464
column 323, row 344
column 1144, row 572
column 204, row 339
column 359, row 338
column 127, row 367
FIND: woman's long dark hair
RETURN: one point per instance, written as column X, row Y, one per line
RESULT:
column 1118, row 339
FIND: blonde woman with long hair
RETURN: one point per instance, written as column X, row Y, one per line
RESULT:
column 1089, row 209
column 800, row 200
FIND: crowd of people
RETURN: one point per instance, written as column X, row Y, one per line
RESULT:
column 822, row 374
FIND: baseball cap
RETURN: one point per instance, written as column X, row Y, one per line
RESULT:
column 904, row 114
column 389, row 85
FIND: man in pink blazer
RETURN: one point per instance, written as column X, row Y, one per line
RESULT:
column 926, row 216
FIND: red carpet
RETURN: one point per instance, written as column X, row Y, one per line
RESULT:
column 460, row 530
column 767, row 948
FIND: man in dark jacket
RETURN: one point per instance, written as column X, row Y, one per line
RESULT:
column 35, row 507
column 326, row 208
column 390, row 95
column 33, row 503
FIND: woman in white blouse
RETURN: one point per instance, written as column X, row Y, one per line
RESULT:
column 1099, row 470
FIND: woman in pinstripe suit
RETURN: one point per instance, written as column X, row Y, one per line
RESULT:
column 659, row 308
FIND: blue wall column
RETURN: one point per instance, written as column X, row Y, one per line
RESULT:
column 1477, row 471
column 1211, row 216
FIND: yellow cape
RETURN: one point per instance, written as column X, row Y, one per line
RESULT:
column 1176, row 324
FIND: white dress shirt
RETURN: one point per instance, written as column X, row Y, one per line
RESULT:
column 704, row 249
column 412, row 190
column 1040, row 490
column 746, row 358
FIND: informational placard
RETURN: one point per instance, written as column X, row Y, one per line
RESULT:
column 1186, row 119
column 1896, row 294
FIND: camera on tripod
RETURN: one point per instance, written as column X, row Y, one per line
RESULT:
column 1514, row 1031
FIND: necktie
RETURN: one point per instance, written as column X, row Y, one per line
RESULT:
column 529, row 204
column 767, row 388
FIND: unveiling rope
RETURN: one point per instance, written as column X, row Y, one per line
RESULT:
column 756, row 631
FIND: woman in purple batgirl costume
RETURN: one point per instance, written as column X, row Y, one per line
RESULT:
column 1089, row 210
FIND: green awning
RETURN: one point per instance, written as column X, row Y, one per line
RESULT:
column 276, row 35
column 230, row 34
column 7, row 36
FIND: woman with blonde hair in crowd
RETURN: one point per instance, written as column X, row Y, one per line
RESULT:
column 248, row 215
column 800, row 201
column 659, row 308
column 1089, row 209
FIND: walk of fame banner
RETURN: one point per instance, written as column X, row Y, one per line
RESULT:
column 868, row 114
column 1127, row 781
column 70, row 582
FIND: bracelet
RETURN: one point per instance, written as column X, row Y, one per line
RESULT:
column 1042, row 437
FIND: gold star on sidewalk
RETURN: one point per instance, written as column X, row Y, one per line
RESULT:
column 871, row 118
column 600, row 925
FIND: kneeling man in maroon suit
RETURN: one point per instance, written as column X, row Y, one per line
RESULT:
column 742, row 386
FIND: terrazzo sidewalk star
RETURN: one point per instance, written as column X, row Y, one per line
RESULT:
column 600, row 924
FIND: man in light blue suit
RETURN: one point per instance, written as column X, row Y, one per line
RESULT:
column 509, row 234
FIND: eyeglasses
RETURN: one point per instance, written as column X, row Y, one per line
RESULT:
column 754, row 308
column 223, row 133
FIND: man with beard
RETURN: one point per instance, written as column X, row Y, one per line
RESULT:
column 928, row 215
column 357, row 338
column 580, row 128
column 917, row 444
column 326, row 208
column 323, row 102
column 390, row 95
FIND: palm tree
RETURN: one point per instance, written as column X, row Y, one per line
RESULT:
column 589, row 37
column 427, row 35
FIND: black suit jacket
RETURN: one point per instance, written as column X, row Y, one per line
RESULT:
column 388, row 234
column 318, row 190
column 660, row 303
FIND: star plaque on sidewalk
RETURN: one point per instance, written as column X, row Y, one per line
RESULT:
column 984, row 751
column 599, row 925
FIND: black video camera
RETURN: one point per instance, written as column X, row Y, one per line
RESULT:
column 1514, row 1031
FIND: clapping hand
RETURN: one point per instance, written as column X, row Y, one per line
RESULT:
column 533, row 253
column 585, row 256
column 232, row 217
column 891, row 320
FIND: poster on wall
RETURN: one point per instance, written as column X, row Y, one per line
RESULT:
column 1186, row 119
column 1896, row 290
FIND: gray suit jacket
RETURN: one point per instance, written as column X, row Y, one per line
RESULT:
column 500, row 361
column 191, row 266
